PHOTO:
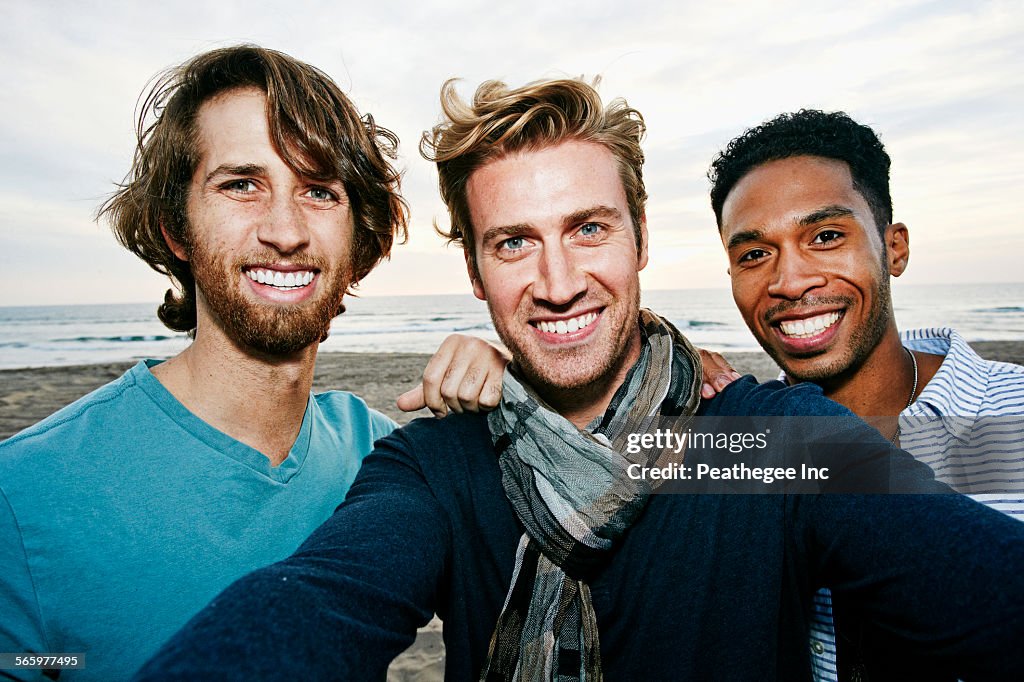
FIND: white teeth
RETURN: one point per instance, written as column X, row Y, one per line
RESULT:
column 567, row 326
column 278, row 279
column 812, row 326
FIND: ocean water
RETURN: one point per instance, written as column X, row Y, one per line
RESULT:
column 35, row 336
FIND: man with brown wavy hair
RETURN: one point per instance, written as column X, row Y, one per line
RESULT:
column 529, row 531
column 312, row 126
column 265, row 196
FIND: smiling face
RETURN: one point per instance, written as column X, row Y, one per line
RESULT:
column 809, row 271
column 269, row 249
column 558, row 265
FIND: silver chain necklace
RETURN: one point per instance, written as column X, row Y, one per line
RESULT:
column 910, row 400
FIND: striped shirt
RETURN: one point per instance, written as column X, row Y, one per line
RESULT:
column 967, row 424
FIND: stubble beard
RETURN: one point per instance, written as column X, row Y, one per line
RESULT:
column 558, row 374
column 272, row 329
column 863, row 341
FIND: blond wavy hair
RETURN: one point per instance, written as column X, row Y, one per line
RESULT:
column 501, row 120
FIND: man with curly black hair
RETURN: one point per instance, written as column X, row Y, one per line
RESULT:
column 805, row 214
column 794, row 195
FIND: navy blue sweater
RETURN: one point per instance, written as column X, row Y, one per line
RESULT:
column 704, row 587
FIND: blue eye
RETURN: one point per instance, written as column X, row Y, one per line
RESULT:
column 321, row 194
column 590, row 229
column 513, row 243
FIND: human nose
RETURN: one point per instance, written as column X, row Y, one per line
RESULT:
column 794, row 275
column 284, row 227
column 560, row 279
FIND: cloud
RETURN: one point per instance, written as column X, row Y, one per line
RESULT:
column 940, row 81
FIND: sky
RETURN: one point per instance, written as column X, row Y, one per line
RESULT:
column 941, row 82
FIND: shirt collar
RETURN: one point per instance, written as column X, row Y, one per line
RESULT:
column 941, row 396
column 944, row 396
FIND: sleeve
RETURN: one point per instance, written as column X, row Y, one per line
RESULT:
column 21, row 629
column 381, row 424
column 343, row 605
column 933, row 576
column 936, row 580
column 805, row 431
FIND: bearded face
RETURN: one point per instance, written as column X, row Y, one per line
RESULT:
column 270, row 249
column 274, row 328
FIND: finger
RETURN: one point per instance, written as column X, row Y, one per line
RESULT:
column 490, row 394
column 715, row 361
column 707, row 391
column 717, row 373
column 724, row 365
column 725, row 374
column 726, row 378
column 461, row 385
column 434, row 375
column 461, row 371
column 410, row 401
column 478, row 366
column 476, row 393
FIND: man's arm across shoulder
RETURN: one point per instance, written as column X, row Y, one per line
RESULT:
column 463, row 375
column 807, row 428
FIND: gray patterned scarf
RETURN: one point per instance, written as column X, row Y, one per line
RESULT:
column 571, row 492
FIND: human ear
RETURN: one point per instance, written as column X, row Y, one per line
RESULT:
column 897, row 243
column 474, row 276
column 642, row 252
column 176, row 247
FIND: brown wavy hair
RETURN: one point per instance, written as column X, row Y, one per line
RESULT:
column 315, row 129
column 501, row 120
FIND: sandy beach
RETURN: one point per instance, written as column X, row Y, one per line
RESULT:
column 28, row 395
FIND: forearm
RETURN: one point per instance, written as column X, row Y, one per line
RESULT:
column 342, row 607
column 287, row 622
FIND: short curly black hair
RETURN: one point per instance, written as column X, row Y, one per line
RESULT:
column 831, row 135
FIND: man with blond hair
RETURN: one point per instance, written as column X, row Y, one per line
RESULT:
column 524, row 529
column 258, row 188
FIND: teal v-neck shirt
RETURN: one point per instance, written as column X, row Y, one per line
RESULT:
column 123, row 514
